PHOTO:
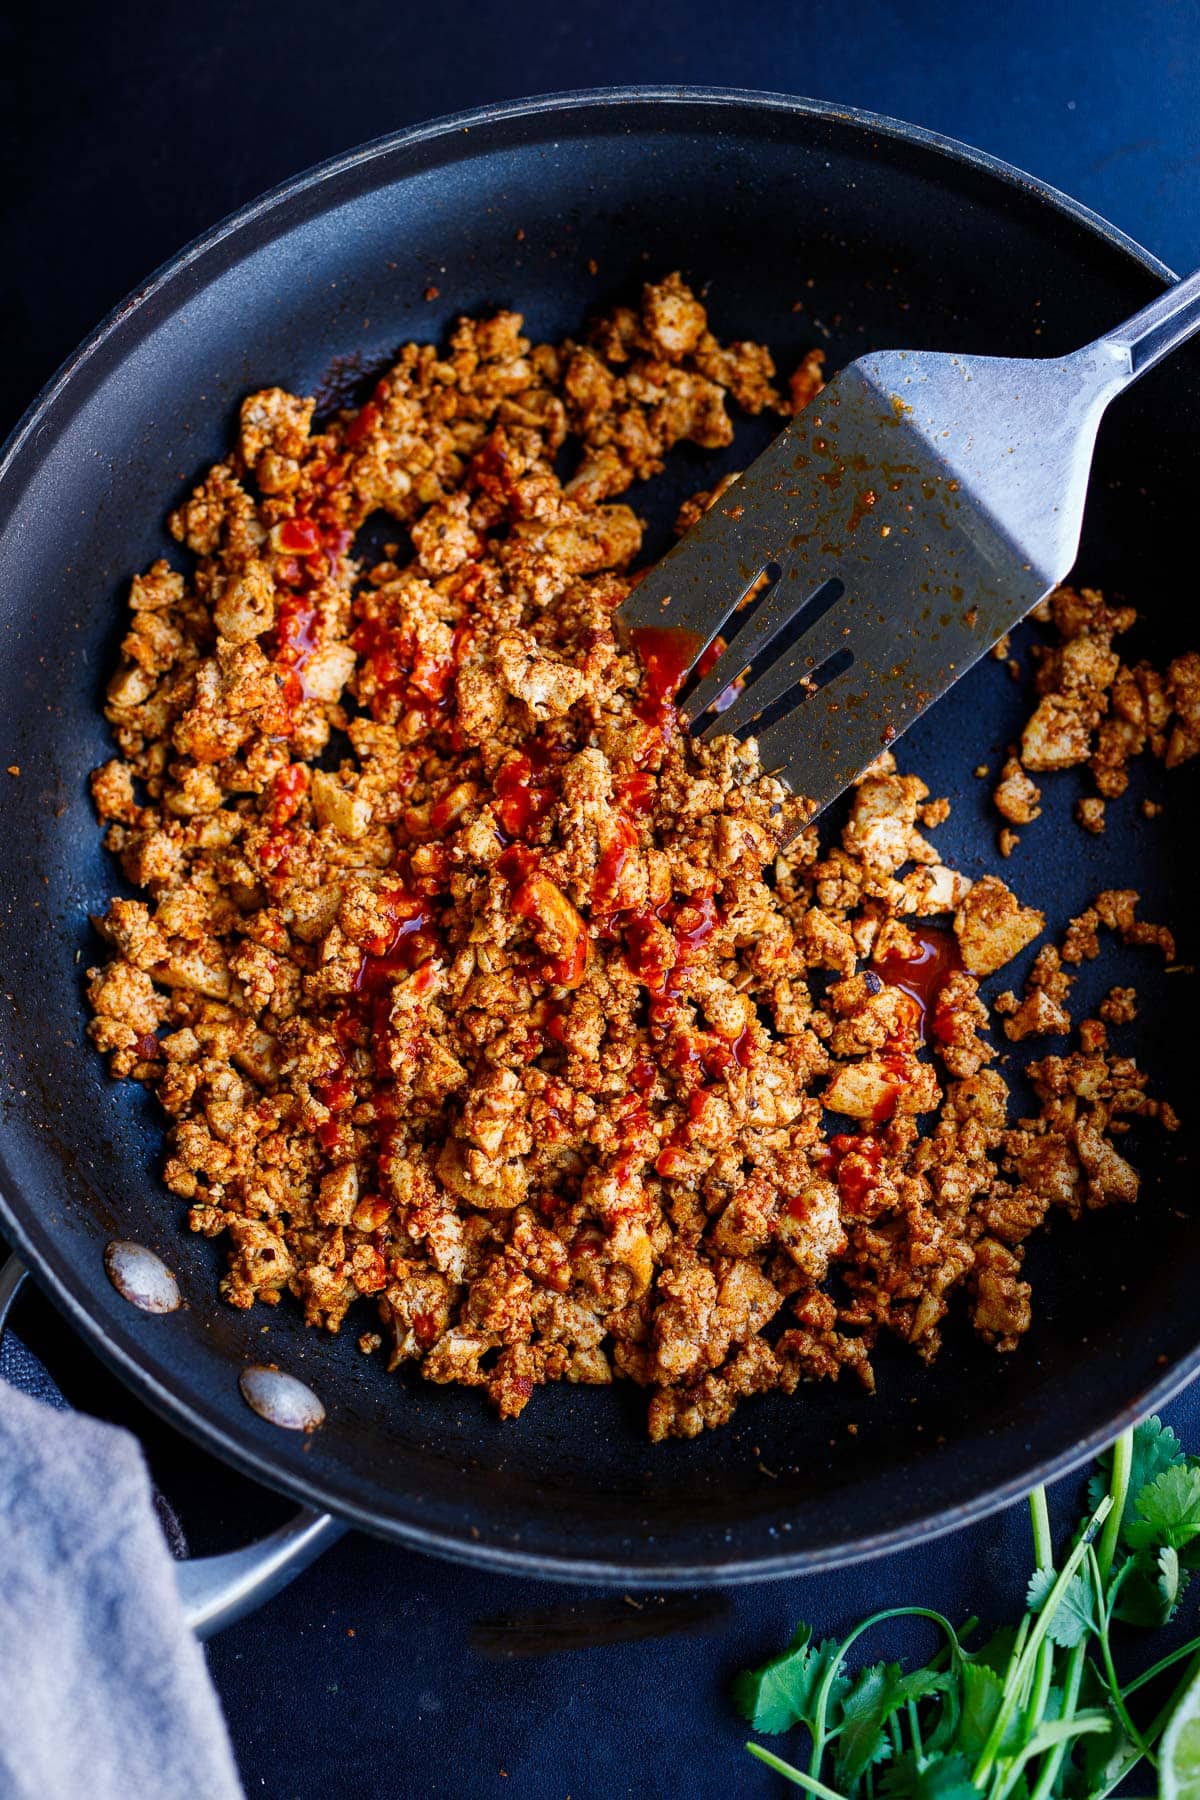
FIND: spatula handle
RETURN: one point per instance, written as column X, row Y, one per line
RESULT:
column 1159, row 328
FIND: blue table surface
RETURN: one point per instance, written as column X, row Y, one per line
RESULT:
column 125, row 131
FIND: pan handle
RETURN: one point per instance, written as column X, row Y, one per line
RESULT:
column 218, row 1590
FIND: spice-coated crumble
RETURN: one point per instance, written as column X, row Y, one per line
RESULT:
column 471, row 986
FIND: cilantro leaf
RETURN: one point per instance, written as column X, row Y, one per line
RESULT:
column 1037, row 1589
column 929, row 1778
column 1092, row 1722
column 1074, row 1616
column 996, row 1654
column 923, row 1735
column 1168, row 1510
column 1090, row 1764
column 877, row 1693
column 1152, row 1585
column 1103, row 1757
column 982, row 1694
column 1155, row 1448
column 783, row 1692
column 899, row 1780
column 940, row 1736
column 865, row 1711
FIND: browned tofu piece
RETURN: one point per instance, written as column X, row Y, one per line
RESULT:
column 992, row 926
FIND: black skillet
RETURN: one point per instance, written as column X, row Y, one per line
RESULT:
column 804, row 224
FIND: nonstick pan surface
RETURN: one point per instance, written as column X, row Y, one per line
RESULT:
column 805, row 225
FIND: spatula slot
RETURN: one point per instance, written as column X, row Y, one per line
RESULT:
column 811, row 613
column 799, row 654
column 737, row 626
column 752, row 601
column 774, row 625
column 806, row 688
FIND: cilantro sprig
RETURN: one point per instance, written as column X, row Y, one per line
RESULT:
column 1038, row 1712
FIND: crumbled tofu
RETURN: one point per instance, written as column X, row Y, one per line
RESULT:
column 1119, row 1005
column 992, row 926
column 1016, row 797
column 477, row 994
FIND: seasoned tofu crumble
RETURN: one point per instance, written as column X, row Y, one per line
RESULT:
column 473, row 988
column 1095, row 709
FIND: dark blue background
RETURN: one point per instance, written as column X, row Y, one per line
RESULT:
column 124, row 131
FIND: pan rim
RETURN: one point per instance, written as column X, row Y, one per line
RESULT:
column 20, row 449
column 567, row 100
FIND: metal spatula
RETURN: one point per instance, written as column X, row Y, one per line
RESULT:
column 903, row 522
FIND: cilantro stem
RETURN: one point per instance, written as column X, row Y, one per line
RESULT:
column 1072, row 1677
column 1058, row 1733
column 1110, row 1674
column 821, row 1708
column 1118, row 1487
column 1043, row 1668
column 1039, row 1517
column 1159, row 1721
column 1035, row 1709
column 1021, row 1666
column 1018, row 1644
column 795, row 1775
column 1160, row 1667
column 914, row 1726
column 1153, row 1731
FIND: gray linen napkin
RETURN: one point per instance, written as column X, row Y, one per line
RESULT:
column 106, row 1695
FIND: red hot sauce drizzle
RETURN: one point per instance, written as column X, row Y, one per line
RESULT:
column 410, row 939
column 922, row 977
column 659, row 958
column 288, row 788
column 690, row 922
column 295, row 641
column 851, row 1161
column 405, row 674
column 526, row 787
column 309, row 548
column 667, row 653
column 610, row 865
column 520, row 868
column 299, row 537
column 636, row 792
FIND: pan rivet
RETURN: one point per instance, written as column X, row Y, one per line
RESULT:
column 141, row 1277
column 280, row 1398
